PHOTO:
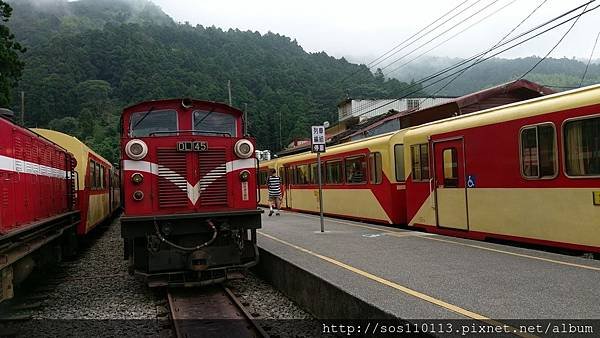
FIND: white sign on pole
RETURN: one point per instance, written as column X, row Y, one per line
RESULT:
column 317, row 139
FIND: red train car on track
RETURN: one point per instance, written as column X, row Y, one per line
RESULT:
column 37, row 199
column 189, row 192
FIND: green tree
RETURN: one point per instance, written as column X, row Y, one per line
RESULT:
column 10, row 66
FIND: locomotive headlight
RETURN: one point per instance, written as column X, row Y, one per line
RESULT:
column 243, row 148
column 136, row 149
column 138, row 195
column 244, row 175
column 137, row 178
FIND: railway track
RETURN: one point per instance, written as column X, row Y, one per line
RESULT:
column 211, row 312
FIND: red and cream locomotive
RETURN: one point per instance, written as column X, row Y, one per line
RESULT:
column 189, row 192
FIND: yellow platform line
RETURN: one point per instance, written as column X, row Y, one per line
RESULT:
column 433, row 238
column 404, row 289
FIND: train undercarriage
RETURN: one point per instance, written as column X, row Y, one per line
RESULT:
column 191, row 249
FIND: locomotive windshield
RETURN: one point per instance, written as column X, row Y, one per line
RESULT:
column 149, row 123
column 214, row 123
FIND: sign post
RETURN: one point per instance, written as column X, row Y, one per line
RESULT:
column 318, row 146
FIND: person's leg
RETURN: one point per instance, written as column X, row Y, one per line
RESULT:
column 271, row 202
column 277, row 204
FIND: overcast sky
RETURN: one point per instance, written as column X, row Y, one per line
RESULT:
column 362, row 30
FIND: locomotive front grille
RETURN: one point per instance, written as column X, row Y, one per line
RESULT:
column 172, row 183
column 213, row 173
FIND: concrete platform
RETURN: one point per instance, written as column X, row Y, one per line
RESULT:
column 414, row 275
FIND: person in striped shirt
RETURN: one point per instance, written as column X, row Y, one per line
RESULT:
column 274, row 187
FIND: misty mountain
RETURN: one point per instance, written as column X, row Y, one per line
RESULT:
column 88, row 59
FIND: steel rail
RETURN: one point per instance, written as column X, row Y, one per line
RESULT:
column 210, row 312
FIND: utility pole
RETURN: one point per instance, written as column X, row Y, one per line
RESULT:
column 229, row 90
column 22, row 108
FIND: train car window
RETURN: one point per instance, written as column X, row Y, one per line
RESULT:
column 334, row 174
column 399, row 158
column 375, row 173
column 450, row 168
column 214, row 123
column 101, row 178
column 155, row 123
column 420, row 162
column 98, row 170
column 538, row 151
column 282, row 176
column 582, row 147
column 356, row 168
column 92, row 174
column 262, row 177
column 302, row 174
column 290, row 171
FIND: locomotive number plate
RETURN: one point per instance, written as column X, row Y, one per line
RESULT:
column 192, row 146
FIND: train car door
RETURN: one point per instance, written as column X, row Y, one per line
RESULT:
column 450, row 190
column 289, row 180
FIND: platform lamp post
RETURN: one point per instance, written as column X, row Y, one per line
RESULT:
column 318, row 146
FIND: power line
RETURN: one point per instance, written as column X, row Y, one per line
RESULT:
column 452, row 37
column 556, row 45
column 412, row 36
column 589, row 60
column 439, row 35
column 491, row 56
column 375, row 62
column 495, row 45
column 463, row 62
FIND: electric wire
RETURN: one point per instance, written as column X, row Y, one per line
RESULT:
column 492, row 48
column 448, row 69
column 451, row 37
column 589, row 60
column 556, row 45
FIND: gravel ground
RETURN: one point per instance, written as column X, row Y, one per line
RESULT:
column 92, row 295
column 277, row 314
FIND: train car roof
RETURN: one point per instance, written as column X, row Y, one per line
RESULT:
column 341, row 148
column 72, row 144
column 581, row 97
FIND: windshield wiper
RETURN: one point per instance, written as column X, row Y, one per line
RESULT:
column 143, row 118
column 196, row 124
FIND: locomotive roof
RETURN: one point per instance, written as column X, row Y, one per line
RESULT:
column 178, row 101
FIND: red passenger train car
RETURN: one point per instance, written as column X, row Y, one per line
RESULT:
column 189, row 192
column 37, row 199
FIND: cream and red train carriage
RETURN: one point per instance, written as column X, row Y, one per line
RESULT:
column 362, row 180
column 189, row 189
column 97, row 181
column 527, row 172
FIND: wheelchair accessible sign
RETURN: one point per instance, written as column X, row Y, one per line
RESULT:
column 471, row 181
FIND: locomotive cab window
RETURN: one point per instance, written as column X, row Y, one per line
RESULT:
column 356, row 168
column 582, row 147
column 212, row 123
column 420, row 162
column 450, row 168
column 538, row 151
column 153, row 123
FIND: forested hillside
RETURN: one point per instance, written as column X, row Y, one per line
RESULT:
column 88, row 59
column 564, row 73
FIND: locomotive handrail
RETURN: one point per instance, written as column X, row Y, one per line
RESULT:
column 189, row 131
column 183, row 248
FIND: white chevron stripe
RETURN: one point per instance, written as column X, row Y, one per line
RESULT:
column 193, row 191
